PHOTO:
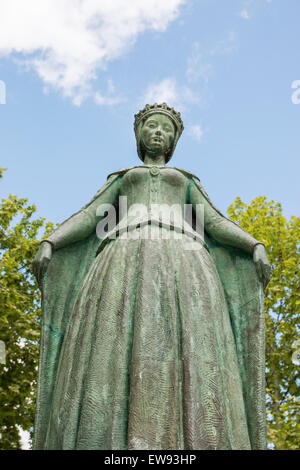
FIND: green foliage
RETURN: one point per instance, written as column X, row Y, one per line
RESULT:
column 19, row 316
column 264, row 220
column 1, row 171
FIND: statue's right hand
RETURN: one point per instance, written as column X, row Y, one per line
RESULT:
column 41, row 260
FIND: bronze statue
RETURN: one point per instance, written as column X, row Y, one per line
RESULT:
column 152, row 334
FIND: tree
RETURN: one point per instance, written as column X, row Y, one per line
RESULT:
column 19, row 316
column 264, row 220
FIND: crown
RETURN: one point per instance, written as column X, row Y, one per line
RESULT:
column 159, row 108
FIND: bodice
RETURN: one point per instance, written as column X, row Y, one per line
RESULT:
column 154, row 185
column 154, row 194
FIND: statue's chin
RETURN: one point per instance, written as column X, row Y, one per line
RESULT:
column 156, row 150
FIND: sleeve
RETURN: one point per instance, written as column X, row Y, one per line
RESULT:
column 81, row 224
column 217, row 226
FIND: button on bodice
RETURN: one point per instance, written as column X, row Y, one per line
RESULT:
column 154, row 171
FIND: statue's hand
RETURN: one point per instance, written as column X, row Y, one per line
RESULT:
column 262, row 264
column 41, row 260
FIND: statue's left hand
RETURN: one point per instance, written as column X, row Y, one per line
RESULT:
column 41, row 260
column 262, row 264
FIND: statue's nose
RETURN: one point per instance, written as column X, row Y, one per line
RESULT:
column 158, row 131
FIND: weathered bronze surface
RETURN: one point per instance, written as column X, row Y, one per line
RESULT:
column 146, row 342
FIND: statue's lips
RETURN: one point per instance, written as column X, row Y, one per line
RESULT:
column 157, row 140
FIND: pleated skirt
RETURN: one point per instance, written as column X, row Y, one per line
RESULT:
column 148, row 360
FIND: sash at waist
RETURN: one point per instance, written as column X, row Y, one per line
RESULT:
column 127, row 225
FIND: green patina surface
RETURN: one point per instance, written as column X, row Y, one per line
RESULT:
column 146, row 343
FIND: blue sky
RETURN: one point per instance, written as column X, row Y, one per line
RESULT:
column 76, row 73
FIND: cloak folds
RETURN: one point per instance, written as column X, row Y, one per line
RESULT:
column 244, row 298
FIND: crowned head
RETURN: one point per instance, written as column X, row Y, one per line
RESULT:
column 157, row 128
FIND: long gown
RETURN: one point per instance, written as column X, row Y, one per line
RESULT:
column 148, row 358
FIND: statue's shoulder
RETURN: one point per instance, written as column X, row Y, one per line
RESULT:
column 187, row 173
column 124, row 170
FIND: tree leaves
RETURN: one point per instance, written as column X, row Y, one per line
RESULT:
column 19, row 316
column 264, row 220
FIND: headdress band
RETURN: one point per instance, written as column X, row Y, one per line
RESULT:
column 159, row 108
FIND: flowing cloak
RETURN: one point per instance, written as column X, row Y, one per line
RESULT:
column 244, row 297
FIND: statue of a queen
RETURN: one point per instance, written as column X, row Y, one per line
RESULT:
column 151, row 341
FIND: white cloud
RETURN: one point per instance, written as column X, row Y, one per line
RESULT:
column 199, row 63
column 245, row 11
column 163, row 91
column 196, row 131
column 167, row 90
column 110, row 98
column 67, row 41
column 227, row 45
column 106, row 100
column 244, row 14
column 198, row 67
column 249, row 7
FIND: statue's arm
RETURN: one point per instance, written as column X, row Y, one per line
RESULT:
column 220, row 228
column 84, row 222
column 228, row 233
column 78, row 227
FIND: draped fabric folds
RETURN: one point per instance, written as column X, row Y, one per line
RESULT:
column 143, row 362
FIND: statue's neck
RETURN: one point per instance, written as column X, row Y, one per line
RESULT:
column 157, row 160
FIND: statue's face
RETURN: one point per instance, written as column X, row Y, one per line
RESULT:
column 158, row 133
